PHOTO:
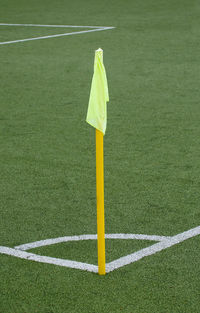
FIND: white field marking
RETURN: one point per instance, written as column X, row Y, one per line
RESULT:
column 165, row 242
column 55, row 26
column 45, row 259
column 53, row 241
column 94, row 29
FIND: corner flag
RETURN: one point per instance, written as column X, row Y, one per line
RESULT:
column 97, row 117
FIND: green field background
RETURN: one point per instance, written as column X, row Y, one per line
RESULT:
column 152, row 151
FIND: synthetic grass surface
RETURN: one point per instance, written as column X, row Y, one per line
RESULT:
column 87, row 252
column 47, row 181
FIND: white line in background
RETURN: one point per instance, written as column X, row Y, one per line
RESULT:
column 94, row 29
column 55, row 26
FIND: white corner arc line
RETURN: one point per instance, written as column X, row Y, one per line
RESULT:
column 136, row 236
column 166, row 243
column 95, row 29
column 47, row 242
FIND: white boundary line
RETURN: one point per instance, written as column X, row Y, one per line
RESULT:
column 165, row 242
column 94, row 29
column 55, row 26
column 45, row 259
column 157, row 247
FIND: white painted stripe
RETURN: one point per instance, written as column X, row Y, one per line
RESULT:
column 131, row 258
column 47, row 242
column 53, row 241
column 55, row 26
column 54, row 36
column 165, row 243
column 49, row 260
column 136, row 236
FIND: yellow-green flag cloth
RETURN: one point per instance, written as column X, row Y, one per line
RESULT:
column 97, row 108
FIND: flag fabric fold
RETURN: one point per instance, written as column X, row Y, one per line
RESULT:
column 97, row 108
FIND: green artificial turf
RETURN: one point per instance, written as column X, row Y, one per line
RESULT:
column 84, row 251
column 151, row 147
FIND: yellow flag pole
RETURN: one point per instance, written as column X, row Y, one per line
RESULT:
column 100, row 203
